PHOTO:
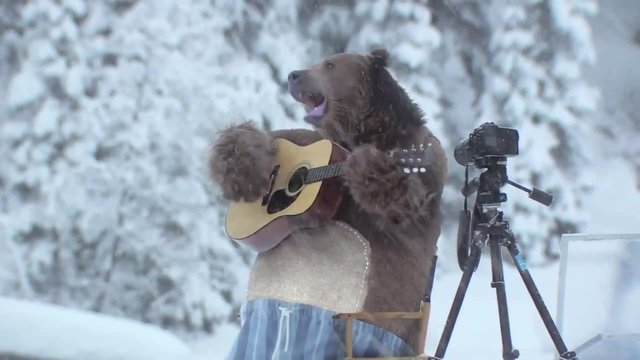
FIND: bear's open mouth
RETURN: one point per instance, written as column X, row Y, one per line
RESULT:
column 315, row 104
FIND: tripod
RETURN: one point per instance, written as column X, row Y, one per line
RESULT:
column 489, row 227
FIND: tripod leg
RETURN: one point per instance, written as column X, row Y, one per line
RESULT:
column 508, row 353
column 539, row 302
column 457, row 302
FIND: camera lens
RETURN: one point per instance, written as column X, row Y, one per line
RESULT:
column 462, row 153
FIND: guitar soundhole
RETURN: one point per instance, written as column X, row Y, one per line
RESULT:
column 279, row 201
column 283, row 198
column 296, row 182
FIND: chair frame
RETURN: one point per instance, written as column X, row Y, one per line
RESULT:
column 422, row 316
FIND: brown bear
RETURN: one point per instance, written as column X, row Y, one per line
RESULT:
column 376, row 254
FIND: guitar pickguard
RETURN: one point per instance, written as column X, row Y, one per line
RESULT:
column 283, row 198
column 279, row 201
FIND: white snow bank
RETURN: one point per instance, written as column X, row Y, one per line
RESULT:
column 218, row 345
column 53, row 332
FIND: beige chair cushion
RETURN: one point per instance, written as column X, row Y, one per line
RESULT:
column 325, row 267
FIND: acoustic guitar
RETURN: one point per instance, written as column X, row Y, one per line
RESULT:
column 303, row 181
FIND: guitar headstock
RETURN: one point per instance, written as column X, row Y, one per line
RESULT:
column 414, row 159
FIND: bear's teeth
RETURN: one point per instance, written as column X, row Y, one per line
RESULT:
column 318, row 110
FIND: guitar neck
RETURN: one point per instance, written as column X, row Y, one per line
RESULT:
column 324, row 172
column 411, row 161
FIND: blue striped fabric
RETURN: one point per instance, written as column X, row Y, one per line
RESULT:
column 273, row 329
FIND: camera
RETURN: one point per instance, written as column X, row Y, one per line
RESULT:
column 487, row 140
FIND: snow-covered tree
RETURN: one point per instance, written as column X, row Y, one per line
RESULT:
column 111, row 111
column 405, row 29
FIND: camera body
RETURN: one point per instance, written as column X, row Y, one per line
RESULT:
column 488, row 140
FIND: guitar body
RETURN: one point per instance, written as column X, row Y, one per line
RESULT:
column 263, row 224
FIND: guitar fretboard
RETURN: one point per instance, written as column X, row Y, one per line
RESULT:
column 323, row 172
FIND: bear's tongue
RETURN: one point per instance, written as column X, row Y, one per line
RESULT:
column 316, row 110
column 315, row 105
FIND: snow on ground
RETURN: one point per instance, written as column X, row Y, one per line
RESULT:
column 215, row 347
column 54, row 332
column 477, row 331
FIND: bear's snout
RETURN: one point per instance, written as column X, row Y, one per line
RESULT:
column 294, row 83
column 299, row 82
column 294, row 75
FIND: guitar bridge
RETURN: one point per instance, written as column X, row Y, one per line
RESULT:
column 272, row 180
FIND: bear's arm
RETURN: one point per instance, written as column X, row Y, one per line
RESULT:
column 380, row 187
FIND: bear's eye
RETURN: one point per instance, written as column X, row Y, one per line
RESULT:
column 329, row 65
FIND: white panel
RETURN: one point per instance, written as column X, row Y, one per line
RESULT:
column 599, row 295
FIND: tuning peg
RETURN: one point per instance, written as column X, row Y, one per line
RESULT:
column 423, row 170
column 421, row 147
column 406, row 170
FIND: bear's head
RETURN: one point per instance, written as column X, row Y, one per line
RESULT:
column 352, row 99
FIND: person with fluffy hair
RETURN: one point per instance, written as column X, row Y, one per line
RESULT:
column 376, row 253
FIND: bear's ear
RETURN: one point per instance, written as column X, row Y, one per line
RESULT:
column 379, row 58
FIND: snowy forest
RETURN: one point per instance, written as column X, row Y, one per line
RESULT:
column 107, row 110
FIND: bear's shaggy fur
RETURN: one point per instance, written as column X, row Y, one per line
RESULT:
column 353, row 100
column 244, row 158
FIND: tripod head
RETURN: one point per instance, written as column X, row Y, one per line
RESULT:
column 494, row 178
column 487, row 203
